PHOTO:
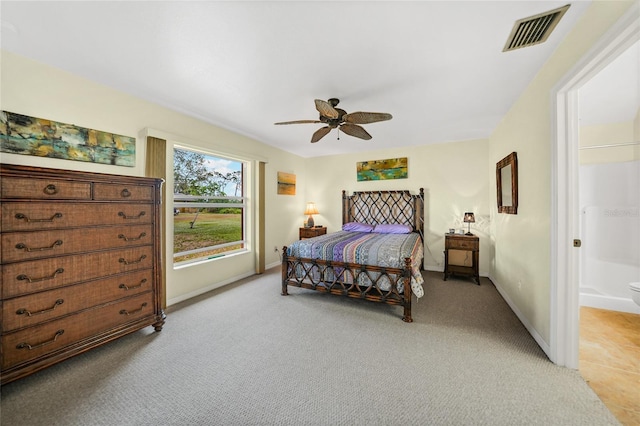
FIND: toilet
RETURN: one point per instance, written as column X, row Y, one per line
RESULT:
column 635, row 292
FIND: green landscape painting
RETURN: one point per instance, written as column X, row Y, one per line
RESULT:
column 22, row 134
column 394, row 168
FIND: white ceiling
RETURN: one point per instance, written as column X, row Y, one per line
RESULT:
column 437, row 66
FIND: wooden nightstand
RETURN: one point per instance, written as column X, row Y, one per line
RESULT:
column 312, row 232
column 461, row 254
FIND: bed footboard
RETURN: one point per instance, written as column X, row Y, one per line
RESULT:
column 373, row 283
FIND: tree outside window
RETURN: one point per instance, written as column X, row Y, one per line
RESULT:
column 209, row 206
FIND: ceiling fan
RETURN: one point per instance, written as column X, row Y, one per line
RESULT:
column 338, row 118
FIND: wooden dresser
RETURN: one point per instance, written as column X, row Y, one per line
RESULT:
column 81, row 263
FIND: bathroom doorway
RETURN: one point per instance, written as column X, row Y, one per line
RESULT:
column 609, row 229
column 609, row 184
column 565, row 212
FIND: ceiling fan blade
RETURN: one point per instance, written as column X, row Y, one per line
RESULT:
column 366, row 117
column 319, row 134
column 325, row 109
column 298, row 122
column 355, row 130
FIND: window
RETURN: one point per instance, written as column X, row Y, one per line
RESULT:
column 209, row 214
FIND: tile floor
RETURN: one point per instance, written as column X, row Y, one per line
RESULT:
column 610, row 360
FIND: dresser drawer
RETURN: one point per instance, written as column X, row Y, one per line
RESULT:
column 36, row 308
column 13, row 187
column 29, row 344
column 18, row 246
column 23, row 216
column 45, row 274
column 105, row 191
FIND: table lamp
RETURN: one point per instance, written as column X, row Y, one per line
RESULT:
column 469, row 218
column 310, row 210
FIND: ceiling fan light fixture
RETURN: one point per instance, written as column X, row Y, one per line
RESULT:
column 336, row 118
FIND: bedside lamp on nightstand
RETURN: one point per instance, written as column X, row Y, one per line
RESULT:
column 469, row 218
column 310, row 210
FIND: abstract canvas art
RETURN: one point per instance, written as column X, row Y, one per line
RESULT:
column 393, row 168
column 286, row 183
column 22, row 134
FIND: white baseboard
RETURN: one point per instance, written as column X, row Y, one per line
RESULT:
column 534, row 333
column 207, row 288
column 273, row 265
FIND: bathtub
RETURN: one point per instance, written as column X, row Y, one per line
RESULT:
column 591, row 297
column 610, row 234
column 610, row 257
column 605, row 285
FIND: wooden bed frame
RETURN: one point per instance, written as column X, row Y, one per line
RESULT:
column 372, row 207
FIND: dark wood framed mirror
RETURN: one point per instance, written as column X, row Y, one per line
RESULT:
column 507, row 184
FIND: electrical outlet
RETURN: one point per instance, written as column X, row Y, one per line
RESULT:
column 275, row 249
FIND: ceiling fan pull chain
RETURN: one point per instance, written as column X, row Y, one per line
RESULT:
column 338, row 133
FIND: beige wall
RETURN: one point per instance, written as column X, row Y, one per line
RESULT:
column 603, row 136
column 454, row 177
column 39, row 90
column 522, row 242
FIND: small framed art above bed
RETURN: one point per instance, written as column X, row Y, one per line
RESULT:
column 377, row 256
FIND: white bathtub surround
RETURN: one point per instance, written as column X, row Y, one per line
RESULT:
column 610, row 233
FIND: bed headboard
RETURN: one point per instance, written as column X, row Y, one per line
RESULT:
column 376, row 207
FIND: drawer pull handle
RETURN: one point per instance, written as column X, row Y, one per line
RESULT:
column 28, row 219
column 125, row 193
column 143, row 234
column 126, row 287
column 23, row 277
column 124, row 216
column 39, row 345
column 28, row 313
column 50, row 189
column 135, row 311
column 131, row 262
column 22, row 246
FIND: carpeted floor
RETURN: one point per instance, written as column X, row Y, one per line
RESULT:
column 244, row 355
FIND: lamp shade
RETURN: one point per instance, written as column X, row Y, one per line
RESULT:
column 311, row 208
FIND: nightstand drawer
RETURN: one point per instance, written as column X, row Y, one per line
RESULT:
column 312, row 232
column 462, row 243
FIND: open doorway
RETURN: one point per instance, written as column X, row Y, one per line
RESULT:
column 609, row 229
column 565, row 234
column 609, row 184
column 566, row 212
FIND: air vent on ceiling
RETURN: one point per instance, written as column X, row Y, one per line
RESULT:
column 534, row 29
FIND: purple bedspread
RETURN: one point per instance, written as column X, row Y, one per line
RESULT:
column 365, row 248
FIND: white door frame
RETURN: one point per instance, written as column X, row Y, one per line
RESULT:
column 565, row 309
